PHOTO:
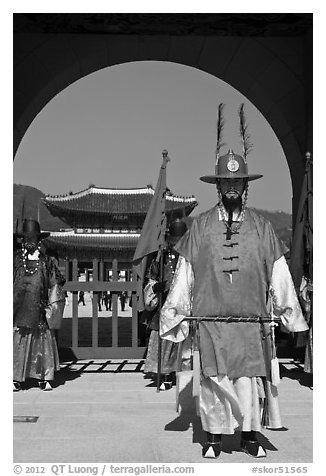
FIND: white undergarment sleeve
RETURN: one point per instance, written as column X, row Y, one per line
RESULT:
column 284, row 299
column 178, row 304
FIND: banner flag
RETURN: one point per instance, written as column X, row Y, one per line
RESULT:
column 152, row 236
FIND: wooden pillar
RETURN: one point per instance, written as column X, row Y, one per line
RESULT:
column 67, row 269
column 115, row 306
column 106, row 271
column 101, row 270
column 75, row 305
column 95, row 306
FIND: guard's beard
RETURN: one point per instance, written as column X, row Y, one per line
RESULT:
column 30, row 247
column 232, row 203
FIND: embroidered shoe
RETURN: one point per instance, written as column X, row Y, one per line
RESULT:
column 16, row 386
column 253, row 448
column 212, row 450
column 166, row 386
column 45, row 385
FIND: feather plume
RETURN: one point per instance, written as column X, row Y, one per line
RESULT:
column 245, row 137
column 219, row 129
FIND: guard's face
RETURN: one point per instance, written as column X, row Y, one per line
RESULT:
column 172, row 240
column 31, row 243
column 232, row 189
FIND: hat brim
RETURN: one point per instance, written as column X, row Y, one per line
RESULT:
column 41, row 236
column 214, row 178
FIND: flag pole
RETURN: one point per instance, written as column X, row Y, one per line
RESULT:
column 166, row 159
column 39, row 212
column 159, row 339
column 308, row 360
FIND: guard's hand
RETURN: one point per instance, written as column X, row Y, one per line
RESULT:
column 159, row 287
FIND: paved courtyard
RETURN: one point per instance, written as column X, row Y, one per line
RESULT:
column 106, row 411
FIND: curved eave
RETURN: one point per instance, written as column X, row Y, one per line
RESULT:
column 92, row 191
column 65, row 208
column 93, row 241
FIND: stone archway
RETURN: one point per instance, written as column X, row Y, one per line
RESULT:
column 267, row 57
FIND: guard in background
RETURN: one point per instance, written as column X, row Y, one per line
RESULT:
column 38, row 305
column 169, row 350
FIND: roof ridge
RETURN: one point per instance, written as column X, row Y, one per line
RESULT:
column 62, row 234
column 99, row 191
column 115, row 191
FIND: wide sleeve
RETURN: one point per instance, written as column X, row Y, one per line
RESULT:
column 150, row 297
column 189, row 244
column 55, row 275
column 178, row 304
column 284, row 299
column 272, row 246
column 56, row 296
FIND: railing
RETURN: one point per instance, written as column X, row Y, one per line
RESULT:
column 99, row 285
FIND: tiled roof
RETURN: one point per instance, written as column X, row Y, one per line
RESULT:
column 112, row 241
column 114, row 201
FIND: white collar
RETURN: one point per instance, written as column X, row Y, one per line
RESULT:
column 235, row 218
column 34, row 256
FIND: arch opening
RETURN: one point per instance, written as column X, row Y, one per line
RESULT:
column 124, row 115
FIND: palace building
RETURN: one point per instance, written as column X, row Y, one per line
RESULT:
column 105, row 224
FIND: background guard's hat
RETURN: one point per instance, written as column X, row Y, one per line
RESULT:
column 176, row 230
column 32, row 228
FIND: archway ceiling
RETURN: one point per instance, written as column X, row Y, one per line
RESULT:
column 270, row 65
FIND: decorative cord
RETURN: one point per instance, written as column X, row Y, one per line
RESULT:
column 27, row 270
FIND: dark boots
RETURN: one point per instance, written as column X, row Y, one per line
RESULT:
column 167, row 381
column 212, row 448
column 250, row 445
column 16, row 386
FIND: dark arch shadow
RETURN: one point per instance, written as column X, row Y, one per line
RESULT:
column 280, row 108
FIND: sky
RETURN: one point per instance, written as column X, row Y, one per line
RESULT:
column 109, row 129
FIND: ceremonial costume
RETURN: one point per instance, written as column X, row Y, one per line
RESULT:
column 38, row 304
column 169, row 350
column 259, row 284
column 232, row 268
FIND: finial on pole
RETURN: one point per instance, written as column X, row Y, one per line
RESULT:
column 308, row 159
column 165, row 154
column 166, row 158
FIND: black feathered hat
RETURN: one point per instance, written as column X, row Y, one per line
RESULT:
column 231, row 165
column 32, row 228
